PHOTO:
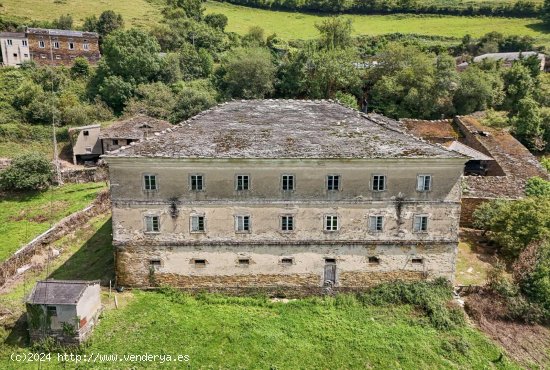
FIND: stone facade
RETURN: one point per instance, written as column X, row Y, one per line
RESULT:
column 15, row 48
column 353, row 256
column 62, row 47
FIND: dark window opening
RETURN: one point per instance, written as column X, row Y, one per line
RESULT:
column 197, row 223
column 244, row 261
column 374, row 260
column 418, row 261
column 197, row 182
column 379, row 183
column 86, row 133
column 243, row 182
column 52, row 310
column 330, row 260
column 288, row 182
column 200, row 262
column 154, row 263
column 115, row 142
column 287, row 223
column 333, row 182
column 287, row 261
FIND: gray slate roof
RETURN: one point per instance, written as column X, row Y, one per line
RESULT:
column 284, row 129
column 54, row 32
column 458, row 147
column 134, row 128
column 58, row 291
column 508, row 56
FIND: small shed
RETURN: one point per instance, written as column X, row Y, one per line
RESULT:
column 66, row 310
column 133, row 129
column 86, row 144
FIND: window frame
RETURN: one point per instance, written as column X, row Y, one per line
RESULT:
column 333, row 217
column 287, row 261
column 151, row 217
column 9, row 42
column 430, row 182
column 328, row 185
column 71, row 45
column 282, row 224
column 288, row 176
column 56, row 45
column 385, row 182
column 198, row 217
column 144, row 182
column 203, row 184
column 421, row 230
column 41, row 44
column 376, row 219
column 236, row 223
column 248, row 182
column 24, row 43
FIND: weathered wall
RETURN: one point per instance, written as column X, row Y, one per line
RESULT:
column 266, row 269
column 49, row 55
column 469, row 205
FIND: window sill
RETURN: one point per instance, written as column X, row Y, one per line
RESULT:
column 242, row 232
column 151, row 232
column 198, row 232
column 331, row 231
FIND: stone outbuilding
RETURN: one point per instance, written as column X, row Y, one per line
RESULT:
column 134, row 129
column 66, row 310
column 85, row 143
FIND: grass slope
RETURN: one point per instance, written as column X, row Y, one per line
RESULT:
column 25, row 216
column 291, row 25
column 135, row 12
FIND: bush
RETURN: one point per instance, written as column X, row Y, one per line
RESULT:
column 27, row 172
column 537, row 187
column 431, row 297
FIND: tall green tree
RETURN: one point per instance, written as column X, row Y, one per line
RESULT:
column 247, row 73
column 527, row 124
column 335, row 32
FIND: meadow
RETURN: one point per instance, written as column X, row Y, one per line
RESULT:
column 24, row 216
column 289, row 25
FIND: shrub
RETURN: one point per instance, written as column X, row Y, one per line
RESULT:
column 27, row 172
column 537, row 187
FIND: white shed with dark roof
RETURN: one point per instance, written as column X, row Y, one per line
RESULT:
column 66, row 310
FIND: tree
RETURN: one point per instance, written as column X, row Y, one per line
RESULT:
column 545, row 12
column 335, row 32
column 477, row 90
column 247, row 73
column 155, row 100
column 80, row 67
column 347, row 99
column 527, row 124
column 191, row 100
column 192, row 8
column 514, row 224
column 64, row 22
column 254, row 37
column 537, row 187
column 194, row 64
column 27, row 172
column 216, row 20
column 108, row 22
column 115, row 92
column 132, row 55
column 518, row 84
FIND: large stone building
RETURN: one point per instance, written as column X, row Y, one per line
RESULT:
column 283, row 194
column 49, row 46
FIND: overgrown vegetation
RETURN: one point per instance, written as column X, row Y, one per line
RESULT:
column 27, row 172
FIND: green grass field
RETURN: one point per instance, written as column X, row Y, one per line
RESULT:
column 25, row 216
column 302, row 26
column 135, row 12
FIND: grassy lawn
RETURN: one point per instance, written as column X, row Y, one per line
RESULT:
column 302, row 26
column 135, row 12
column 25, row 216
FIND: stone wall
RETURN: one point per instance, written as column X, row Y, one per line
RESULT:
column 87, row 174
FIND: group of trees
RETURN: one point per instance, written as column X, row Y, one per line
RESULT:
column 520, row 8
column 521, row 229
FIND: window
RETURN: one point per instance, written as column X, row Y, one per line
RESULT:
column 115, row 142
column 424, row 182
column 417, row 261
column 287, row 261
column 10, row 42
column 15, row 55
column 52, row 310
column 41, row 44
column 333, row 182
column 197, row 183
column 88, row 149
column 199, row 262
column 86, row 133
column 26, row 55
column 288, row 182
column 374, row 260
column 376, row 223
column 58, row 57
column 331, row 223
column 287, row 223
column 85, row 46
column 420, row 223
column 330, row 261
column 242, row 182
column 24, row 43
column 197, row 224
column 71, row 45
column 242, row 223
column 152, row 224
column 150, row 182
column 56, row 44
column 155, row 264
column 378, row 182
column 42, row 56
column 244, row 261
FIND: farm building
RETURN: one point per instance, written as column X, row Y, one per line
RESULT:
column 49, row 46
column 64, row 310
column 509, row 58
column 130, row 130
column 86, row 144
column 284, row 194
